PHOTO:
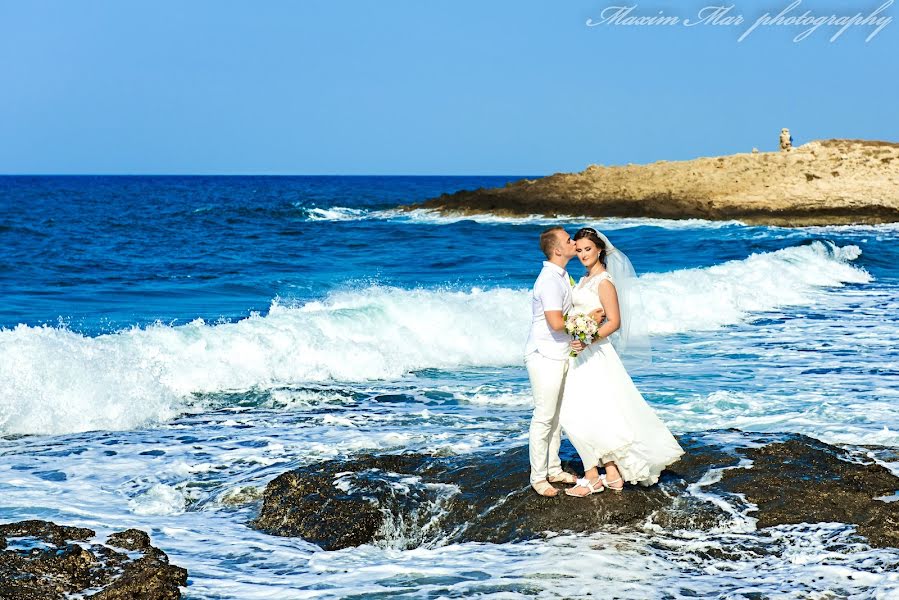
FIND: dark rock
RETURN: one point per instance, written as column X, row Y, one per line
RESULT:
column 130, row 539
column 45, row 530
column 803, row 480
column 306, row 503
column 410, row 500
column 52, row 561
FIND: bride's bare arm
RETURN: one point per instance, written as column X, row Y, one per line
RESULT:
column 609, row 299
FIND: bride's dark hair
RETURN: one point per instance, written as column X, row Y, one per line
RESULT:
column 590, row 234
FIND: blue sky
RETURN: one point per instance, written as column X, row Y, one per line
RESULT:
column 420, row 86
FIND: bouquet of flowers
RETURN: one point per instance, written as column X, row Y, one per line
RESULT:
column 581, row 327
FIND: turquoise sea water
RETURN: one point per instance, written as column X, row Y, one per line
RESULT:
column 168, row 345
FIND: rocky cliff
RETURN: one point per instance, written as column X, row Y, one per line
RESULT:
column 829, row 182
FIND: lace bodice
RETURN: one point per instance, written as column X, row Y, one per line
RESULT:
column 585, row 295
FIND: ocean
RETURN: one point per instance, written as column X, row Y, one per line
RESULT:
column 168, row 345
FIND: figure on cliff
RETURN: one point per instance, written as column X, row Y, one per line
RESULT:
column 786, row 140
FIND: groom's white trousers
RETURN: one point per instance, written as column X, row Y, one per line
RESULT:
column 547, row 380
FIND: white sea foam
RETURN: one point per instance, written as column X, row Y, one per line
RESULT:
column 701, row 299
column 800, row 561
column 848, row 229
column 57, row 381
column 434, row 217
column 424, row 215
column 337, row 213
column 161, row 499
column 835, row 420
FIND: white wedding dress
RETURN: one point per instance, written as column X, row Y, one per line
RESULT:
column 604, row 415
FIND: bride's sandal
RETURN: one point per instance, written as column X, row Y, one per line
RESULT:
column 563, row 477
column 592, row 488
column 545, row 489
column 616, row 485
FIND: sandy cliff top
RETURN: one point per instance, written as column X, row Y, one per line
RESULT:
column 822, row 182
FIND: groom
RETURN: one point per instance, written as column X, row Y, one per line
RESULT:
column 546, row 359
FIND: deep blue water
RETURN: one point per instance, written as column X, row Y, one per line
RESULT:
column 102, row 253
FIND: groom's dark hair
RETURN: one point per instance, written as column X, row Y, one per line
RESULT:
column 549, row 240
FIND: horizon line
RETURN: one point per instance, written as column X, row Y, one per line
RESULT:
column 265, row 175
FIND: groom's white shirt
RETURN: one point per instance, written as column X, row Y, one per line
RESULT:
column 552, row 291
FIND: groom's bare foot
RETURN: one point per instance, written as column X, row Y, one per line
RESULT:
column 545, row 489
column 563, row 477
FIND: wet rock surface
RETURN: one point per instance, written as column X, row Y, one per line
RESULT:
column 807, row 481
column 411, row 500
column 40, row 560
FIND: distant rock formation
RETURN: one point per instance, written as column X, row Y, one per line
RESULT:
column 411, row 499
column 832, row 182
column 40, row 560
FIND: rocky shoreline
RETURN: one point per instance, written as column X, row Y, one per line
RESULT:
column 727, row 481
column 827, row 182
column 410, row 500
column 40, row 560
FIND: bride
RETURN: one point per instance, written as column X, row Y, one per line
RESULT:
column 602, row 413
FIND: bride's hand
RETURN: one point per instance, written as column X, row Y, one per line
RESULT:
column 598, row 315
column 577, row 345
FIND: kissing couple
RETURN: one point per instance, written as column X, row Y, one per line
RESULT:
column 590, row 395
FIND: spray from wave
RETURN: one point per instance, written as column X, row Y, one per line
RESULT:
column 337, row 213
column 427, row 216
column 56, row 380
column 712, row 297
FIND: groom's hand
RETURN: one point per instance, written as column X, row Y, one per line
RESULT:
column 598, row 315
